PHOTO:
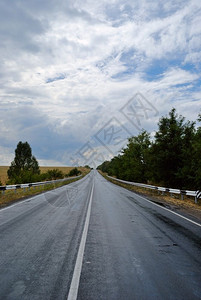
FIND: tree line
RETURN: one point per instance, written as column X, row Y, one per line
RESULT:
column 172, row 158
column 25, row 168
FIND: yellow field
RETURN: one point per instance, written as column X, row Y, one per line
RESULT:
column 65, row 170
column 3, row 174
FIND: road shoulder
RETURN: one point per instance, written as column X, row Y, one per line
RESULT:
column 184, row 207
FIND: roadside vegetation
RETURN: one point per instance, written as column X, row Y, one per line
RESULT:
column 64, row 170
column 11, row 196
column 171, row 159
column 25, row 169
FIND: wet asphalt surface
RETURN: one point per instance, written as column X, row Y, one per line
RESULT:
column 134, row 248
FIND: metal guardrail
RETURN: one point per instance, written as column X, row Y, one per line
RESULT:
column 34, row 184
column 195, row 194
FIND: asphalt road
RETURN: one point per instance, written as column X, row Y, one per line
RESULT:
column 134, row 248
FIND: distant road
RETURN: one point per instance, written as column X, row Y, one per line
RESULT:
column 95, row 240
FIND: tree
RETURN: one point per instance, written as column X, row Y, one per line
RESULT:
column 135, row 158
column 24, row 166
column 104, row 166
column 114, row 167
column 171, row 158
column 197, row 156
column 186, row 174
column 132, row 163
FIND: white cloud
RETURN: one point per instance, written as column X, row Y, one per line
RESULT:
column 67, row 67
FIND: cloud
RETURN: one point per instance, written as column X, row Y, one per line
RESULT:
column 18, row 29
column 68, row 67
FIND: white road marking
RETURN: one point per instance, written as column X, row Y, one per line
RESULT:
column 72, row 295
column 21, row 201
column 39, row 195
column 171, row 211
column 195, row 223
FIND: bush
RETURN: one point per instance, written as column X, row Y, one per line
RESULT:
column 74, row 172
column 54, row 174
column 44, row 177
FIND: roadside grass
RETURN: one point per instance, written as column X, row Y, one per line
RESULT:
column 160, row 197
column 10, row 196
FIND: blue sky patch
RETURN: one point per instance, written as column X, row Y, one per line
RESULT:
column 59, row 77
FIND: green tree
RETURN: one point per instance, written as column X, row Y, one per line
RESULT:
column 170, row 150
column 132, row 163
column 104, row 166
column 24, row 166
column 114, row 167
column 186, row 174
column 172, row 159
column 197, row 156
column 135, row 158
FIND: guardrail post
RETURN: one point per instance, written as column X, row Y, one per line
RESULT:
column 197, row 196
column 182, row 194
column 2, row 189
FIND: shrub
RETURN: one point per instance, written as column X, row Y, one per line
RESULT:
column 74, row 172
column 54, row 174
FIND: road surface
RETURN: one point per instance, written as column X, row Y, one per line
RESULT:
column 95, row 240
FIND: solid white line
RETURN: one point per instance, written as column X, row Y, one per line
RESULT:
column 21, row 201
column 27, row 200
column 195, row 223
column 72, row 295
column 39, row 195
column 171, row 211
column 36, row 196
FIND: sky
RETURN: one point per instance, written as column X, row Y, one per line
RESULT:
column 77, row 78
